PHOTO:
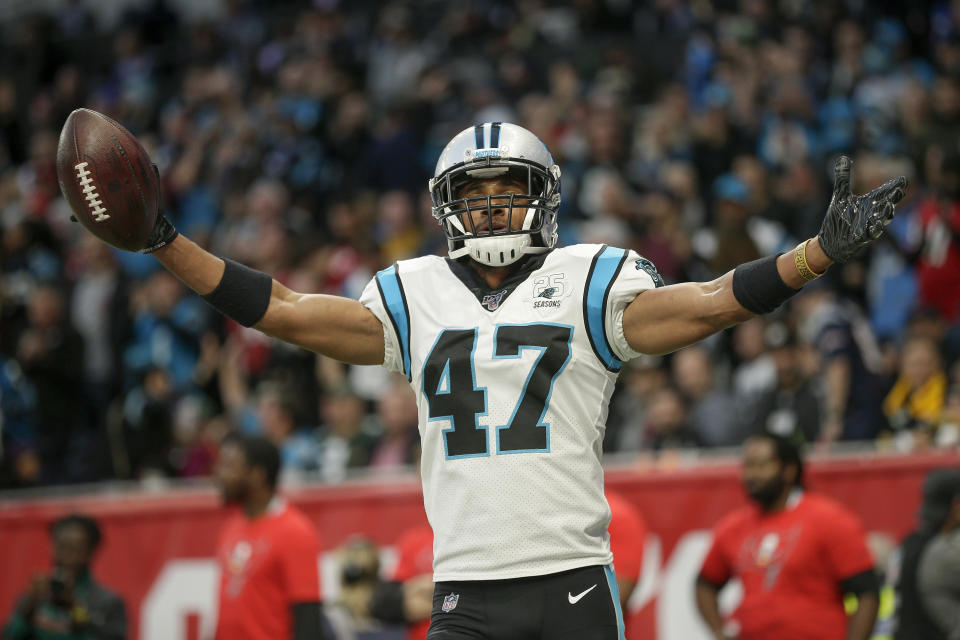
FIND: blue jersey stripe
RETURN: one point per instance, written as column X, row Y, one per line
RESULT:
column 615, row 594
column 391, row 290
column 606, row 265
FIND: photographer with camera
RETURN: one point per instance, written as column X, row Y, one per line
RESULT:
column 68, row 603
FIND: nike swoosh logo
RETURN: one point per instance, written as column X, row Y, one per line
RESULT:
column 575, row 599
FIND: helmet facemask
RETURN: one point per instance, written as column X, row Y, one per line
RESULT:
column 478, row 235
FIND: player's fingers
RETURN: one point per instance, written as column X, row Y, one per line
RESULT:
column 886, row 213
column 879, row 219
column 890, row 189
column 841, row 176
column 874, row 226
column 898, row 188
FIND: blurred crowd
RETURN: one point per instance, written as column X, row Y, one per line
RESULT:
column 297, row 137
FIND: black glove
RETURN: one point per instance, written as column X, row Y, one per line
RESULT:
column 163, row 230
column 855, row 221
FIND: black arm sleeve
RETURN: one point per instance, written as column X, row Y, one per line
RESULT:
column 309, row 623
column 387, row 603
column 864, row 582
column 758, row 287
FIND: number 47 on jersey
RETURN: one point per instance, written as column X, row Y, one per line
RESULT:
column 450, row 387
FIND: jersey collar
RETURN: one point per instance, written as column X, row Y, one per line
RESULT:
column 492, row 299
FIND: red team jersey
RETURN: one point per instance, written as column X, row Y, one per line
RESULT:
column 266, row 565
column 791, row 564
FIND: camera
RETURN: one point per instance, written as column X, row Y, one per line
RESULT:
column 59, row 588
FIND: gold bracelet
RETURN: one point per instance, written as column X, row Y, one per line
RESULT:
column 800, row 260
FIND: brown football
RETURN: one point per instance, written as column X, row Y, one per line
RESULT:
column 108, row 179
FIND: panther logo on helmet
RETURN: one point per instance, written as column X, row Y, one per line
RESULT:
column 491, row 150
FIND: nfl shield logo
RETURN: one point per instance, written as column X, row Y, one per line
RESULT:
column 492, row 301
column 450, row 602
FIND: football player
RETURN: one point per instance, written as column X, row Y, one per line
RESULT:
column 513, row 345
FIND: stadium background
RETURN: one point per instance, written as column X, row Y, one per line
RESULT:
column 297, row 137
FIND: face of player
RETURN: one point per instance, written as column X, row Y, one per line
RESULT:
column 764, row 477
column 499, row 188
column 231, row 473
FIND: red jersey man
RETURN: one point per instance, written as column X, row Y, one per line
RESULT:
column 796, row 554
column 267, row 552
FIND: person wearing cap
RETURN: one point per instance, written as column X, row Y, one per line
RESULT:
column 938, row 576
column 913, row 620
column 731, row 212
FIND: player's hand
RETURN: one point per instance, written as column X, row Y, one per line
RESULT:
column 163, row 230
column 855, row 221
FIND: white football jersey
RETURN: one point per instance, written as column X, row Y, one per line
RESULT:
column 512, row 388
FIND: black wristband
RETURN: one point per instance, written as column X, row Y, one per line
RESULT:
column 243, row 294
column 758, row 287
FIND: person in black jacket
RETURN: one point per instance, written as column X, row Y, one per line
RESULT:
column 913, row 620
column 67, row 603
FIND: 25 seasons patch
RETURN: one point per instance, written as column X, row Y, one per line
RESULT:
column 548, row 291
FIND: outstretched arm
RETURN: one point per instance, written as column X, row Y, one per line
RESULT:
column 669, row 318
column 334, row 326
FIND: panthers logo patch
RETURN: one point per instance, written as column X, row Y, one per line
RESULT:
column 645, row 265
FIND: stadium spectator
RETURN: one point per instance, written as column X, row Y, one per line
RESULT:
column 399, row 444
column 51, row 354
column 640, row 380
column 713, row 413
column 277, row 421
column 795, row 552
column 666, row 426
column 913, row 619
column 755, row 371
column 915, row 403
column 347, row 439
column 938, row 254
column 938, row 576
column 267, row 551
column 68, row 603
column 850, row 363
column 791, row 408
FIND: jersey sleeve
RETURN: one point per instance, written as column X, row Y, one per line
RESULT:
column 846, row 545
column 372, row 298
column 298, row 564
column 636, row 274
